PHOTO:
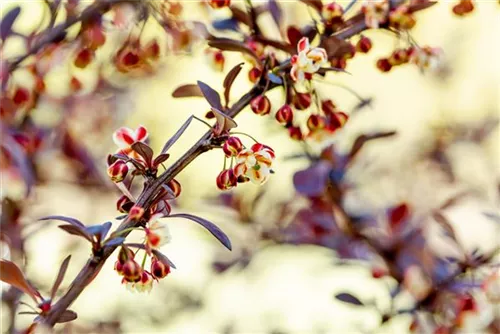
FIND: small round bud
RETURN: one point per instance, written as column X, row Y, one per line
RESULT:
column 316, row 122
column 159, row 269
column 384, row 65
column 337, row 120
column 261, row 105
column 254, row 74
column 136, row 212
column 226, row 179
column 463, row 7
column 328, row 107
column 284, row 115
column 215, row 59
column 232, row 146
column 21, row 96
column 84, row 57
column 339, row 63
column 295, row 133
column 118, row 171
column 398, row 57
column 350, row 53
column 302, row 101
column 364, row 45
column 131, row 271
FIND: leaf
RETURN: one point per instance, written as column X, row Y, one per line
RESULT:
column 8, row 22
column 177, row 135
column 313, row 180
column 160, row 159
column 276, row 12
column 274, row 78
column 363, row 139
column 226, row 24
column 422, row 5
column 348, row 298
column 126, row 158
column 335, row 47
column 20, row 159
column 114, row 242
column 224, row 122
column 210, row 95
column 316, row 4
column 241, row 15
column 163, row 258
column 229, row 79
column 60, row 276
column 67, row 316
column 11, row 274
column 143, row 150
column 75, row 230
column 69, row 220
column 189, row 90
column 294, row 35
column 211, row 227
column 100, row 230
column 227, row 44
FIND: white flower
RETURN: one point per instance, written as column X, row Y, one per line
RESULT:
column 157, row 233
column 255, row 163
column 307, row 61
column 427, row 58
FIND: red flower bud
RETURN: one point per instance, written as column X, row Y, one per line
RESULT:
column 159, row 269
column 232, row 146
column 119, row 267
column 226, row 179
column 302, row 101
column 136, row 212
column 152, row 50
column 316, row 122
column 399, row 57
column 45, row 306
column 124, row 204
column 118, row 171
column 93, row 35
column 215, row 59
column 75, row 84
column 261, row 105
column 125, row 255
column 219, row 3
column 84, row 57
column 332, row 12
column 21, row 96
column 384, row 65
column 364, row 45
column 254, row 74
column 328, row 107
column 339, row 63
column 284, row 115
column 131, row 271
column 337, row 120
column 295, row 133
column 350, row 53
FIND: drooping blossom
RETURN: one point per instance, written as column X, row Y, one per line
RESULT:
column 427, row 58
column 307, row 61
column 255, row 163
column 157, row 233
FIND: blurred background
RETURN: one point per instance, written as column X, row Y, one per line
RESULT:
column 283, row 288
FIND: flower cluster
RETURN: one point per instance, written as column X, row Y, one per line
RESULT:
column 307, row 61
column 252, row 164
column 426, row 58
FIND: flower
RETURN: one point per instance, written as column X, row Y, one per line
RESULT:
column 216, row 4
column 302, row 101
column 255, row 163
column 307, row 61
column 145, row 284
column 124, row 137
column 364, row 45
column 215, row 58
column 157, row 233
column 159, row 269
column 376, row 12
column 232, row 146
column 226, row 180
column 427, row 58
column 284, row 115
column 118, row 171
column 261, row 105
column 130, row 270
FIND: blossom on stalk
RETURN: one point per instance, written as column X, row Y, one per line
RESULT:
column 159, row 269
column 255, row 163
column 427, row 58
column 124, row 137
column 145, row 284
column 226, row 180
column 118, row 171
column 376, row 12
column 232, row 146
column 307, row 61
column 157, row 233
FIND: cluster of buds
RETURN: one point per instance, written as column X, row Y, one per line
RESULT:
column 252, row 164
column 307, row 61
column 464, row 7
column 215, row 59
column 426, row 58
column 363, row 46
column 133, row 56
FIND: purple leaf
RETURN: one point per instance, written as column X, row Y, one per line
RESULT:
column 163, row 258
column 160, row 159
column 363, row 139
column 229, row 79
column 189, row 90
column 20, row 160
column 69, row 220
column 316, row 4
column 8, row 22
column 60, row 276
column 276, row 12
column 348, row 298
column 11, row 274
column 210, row 95
column 114, row 242
column 227, row 44
column 143, row 150
column 67, row 316
column 126, row 158
column 313, row 180
column 224, row 122
column 226, row 24
column 75, row 230
column 211, row 227
column 177, row 135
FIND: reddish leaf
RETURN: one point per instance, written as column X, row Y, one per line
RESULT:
column 224, row 122
column 18, row 155
column 348, row 298
column 8, row 21
column 240, row 15
column 67, row 316
column 189, row 90
column 335, row 47
column 227, row 44
column 211, row 227
column 11, row 274
column 316, row 4
column 313, row 180
column 229, row 79
column 161, row 159
column 210, row 95
column 60, row 276
column 177, row 135
column 143, row 150
column 363, row 139
column 294, row 35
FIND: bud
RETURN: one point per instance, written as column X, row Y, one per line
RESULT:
column 124, row 204
column 398, row 57
column 75, row 84
column 254, row 74
column 159, row 269
column 316, row 122
column 378, row 272
column 332, row 12
column 463, row 7
column 339, row 63
column 215, row 59
column 125, row 255
column 350, row 53
column 175, row 186
column 256, row 47
column 364, row 45
column 131, row 271
column 302, row 101
column 216, row 4
column 232, row 146
column 328, row 107
column 284, row 115
column 384, row 65
column 226, row 179
column 84, row 57
column 119, row 267
column 136, row 212
column 337, row 120
column 45, row 306
column 118, row 171
column 152, row 50
column 21, row 96
column 261, row 105
column 295, row 133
